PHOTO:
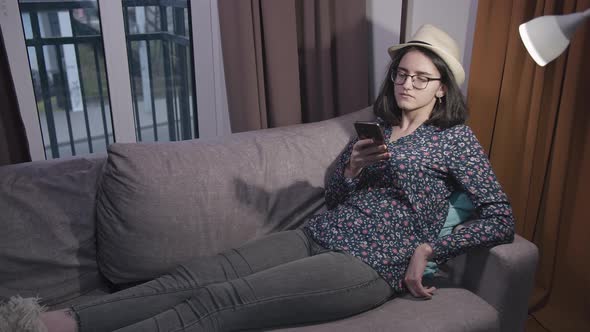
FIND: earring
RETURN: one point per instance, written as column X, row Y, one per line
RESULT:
column 439, row 100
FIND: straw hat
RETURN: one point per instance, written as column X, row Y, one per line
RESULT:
column 438, row 41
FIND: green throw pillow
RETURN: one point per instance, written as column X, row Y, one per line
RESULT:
column 460, row 208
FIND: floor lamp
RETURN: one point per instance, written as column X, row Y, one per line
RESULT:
column 546, row 37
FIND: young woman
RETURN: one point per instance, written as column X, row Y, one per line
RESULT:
column 386, row 206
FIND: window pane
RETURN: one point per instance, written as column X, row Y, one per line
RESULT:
column 86, row 21
column 52, row 24
column 27, row 25
column 161, row 70
column 66, row 58
column 144, row 19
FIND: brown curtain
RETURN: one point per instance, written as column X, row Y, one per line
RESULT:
column 14, row 147
column 293, row 61
column 535, row 124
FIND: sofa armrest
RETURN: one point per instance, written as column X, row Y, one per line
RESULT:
column 503, row 276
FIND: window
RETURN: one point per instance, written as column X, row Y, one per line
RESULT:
column 76, row 96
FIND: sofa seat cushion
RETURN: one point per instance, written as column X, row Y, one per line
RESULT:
column 450, row 310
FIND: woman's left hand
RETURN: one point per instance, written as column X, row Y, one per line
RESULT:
column 413, row 278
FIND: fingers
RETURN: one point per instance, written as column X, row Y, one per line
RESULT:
column 365, row 153
column 425, row 293
column 418, row 290
column 368, row 146
column 365, row 142
column 371, row 159
column 430, row 291
column 370, row 150
column 377, row 149
column 362, row 161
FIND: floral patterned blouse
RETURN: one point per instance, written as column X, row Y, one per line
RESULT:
column 383, row 214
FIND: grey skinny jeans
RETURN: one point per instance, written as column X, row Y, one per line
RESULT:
column 279, row 280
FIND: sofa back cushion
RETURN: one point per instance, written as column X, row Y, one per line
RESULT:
column 47, row 242
column 161, row 204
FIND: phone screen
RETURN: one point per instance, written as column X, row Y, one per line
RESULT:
column 372, row 130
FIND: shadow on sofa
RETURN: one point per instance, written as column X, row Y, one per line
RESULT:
column 286, row 208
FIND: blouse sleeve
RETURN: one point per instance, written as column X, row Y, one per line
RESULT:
column 339, row 187
column 469, row 166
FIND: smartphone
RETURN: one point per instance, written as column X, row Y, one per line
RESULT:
column 372, row 130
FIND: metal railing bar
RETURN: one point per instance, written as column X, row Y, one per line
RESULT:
column 82, row 90
column 55, row 5
column 66, row 95
column 62, row 40
column 168, row 79
column 174, row 70
column 183, row 40
column 183, row 100
column 45, row 87
column 185, row 122
column 130, row 61
column 160, row 36
column 134, row 93
column 178, row 73
column 152, row 99
column 100, row 94
column 165, row 3
column 188, row 91
column 192, row 77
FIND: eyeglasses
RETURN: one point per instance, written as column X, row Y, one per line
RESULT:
column 419, row 82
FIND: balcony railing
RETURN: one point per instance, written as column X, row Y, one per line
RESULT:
column 66, row 56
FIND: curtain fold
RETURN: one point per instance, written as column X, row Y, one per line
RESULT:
column 293, row 61
column 534, row 124
column 14, row 147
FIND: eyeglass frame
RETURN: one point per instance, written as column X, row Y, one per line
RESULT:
column 397, row 72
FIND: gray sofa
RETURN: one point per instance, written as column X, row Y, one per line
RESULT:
column 78, row 228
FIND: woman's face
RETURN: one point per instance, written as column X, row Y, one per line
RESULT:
column 410, row 99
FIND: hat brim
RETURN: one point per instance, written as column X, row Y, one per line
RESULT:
column 454, row 65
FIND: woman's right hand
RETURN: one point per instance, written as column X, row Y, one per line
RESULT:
column 365, row 153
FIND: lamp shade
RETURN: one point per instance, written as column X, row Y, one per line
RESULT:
column 546, row 37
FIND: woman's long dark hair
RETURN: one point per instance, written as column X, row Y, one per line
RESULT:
column 453, row 109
